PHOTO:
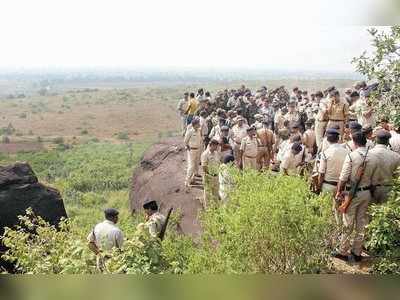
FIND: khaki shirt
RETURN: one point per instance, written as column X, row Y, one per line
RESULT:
column 266, row 137
column 338, row 111
column 292, row 117
column 279, row 119
column 182, row 106
column 155, row 223
column 203, row 126
column 349, row 145
column 389, row 162
column 193, row 138
column 309, row 139
column 239, row 133
column 331, row 163
column 212, row 160
column 322, row 110
column 249, row 147
column 352, row 163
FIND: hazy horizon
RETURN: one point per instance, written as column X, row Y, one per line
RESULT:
column 175, row 35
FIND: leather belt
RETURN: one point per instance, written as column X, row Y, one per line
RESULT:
column 333, row 120
column 330, row 182
column 190, row 148
column 361, row 189
column 250, row 156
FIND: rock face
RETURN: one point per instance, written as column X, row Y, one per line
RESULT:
column 19, row 190
column 161, row 177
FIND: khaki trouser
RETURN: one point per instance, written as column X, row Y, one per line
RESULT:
column 249, row 162
column 263, row 158
column 211, row 188
column 320, row 127
column 236, row 153
column 193, row 162
column 183, row 125
column 331, row 189
column 355, row 219
column 337, row 123
column 381, row 194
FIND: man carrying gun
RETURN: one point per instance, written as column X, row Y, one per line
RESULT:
column 358, row 169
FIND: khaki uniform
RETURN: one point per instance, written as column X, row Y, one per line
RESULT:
column 355, row 219
column 279, row 120
column 211, row 160
column 204, row 128
column 337, row 114
column 349, row 145
column 309, row 140
column 182, row 106
column 292, row 117
column 321, row 122
column 226, row 183
column 249, row 147
column 265, row 148
column 193, row 139
column 238, row 134
column 331, row 164
column 389, row 162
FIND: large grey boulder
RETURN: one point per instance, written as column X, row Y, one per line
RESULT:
column 20, row 190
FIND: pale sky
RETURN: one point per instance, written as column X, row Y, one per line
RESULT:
column 280, row 34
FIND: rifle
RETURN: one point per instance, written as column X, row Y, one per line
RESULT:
column 164, row 228
column 354, row 187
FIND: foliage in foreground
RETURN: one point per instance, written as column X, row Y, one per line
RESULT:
column 272, row 224
column 383, row 66
column 35, row 247
column 384, row 235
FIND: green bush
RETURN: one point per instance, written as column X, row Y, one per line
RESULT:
column 271, row 225
column 384, row 235
column 65, row 251
column 58, row 140
column 122, row 135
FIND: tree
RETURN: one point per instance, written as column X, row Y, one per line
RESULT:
column 383, row 67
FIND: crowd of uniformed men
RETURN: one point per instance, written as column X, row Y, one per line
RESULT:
column 328, row 133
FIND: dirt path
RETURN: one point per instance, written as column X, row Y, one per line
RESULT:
column 161, row 177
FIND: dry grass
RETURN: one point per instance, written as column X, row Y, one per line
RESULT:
column 141, row 112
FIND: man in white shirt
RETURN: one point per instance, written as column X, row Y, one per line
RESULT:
column 105, row 236
column 294, row 159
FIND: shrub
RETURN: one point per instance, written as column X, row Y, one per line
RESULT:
column 122, row 135
column 58, row 140
column 383, row 234
column 271, row 225
column 84, row 132
column 65, row 251
column 22, row 116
